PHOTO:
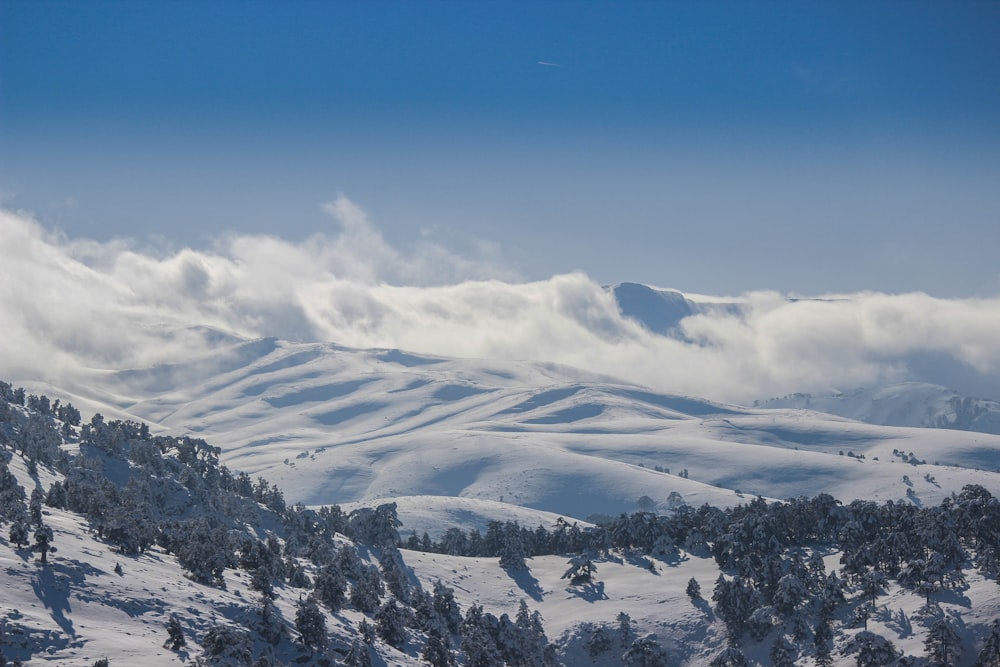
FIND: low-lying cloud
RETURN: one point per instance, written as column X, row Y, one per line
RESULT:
column 70, row 304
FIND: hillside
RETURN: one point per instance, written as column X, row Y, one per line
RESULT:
column 337, row 425
column 905, row 404
column 503, row 476
column 157, row 553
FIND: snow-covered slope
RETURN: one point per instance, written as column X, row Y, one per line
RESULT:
column 904, row 404
column 337, row 425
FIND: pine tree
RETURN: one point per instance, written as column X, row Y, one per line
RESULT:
column 693, row 589
column 310, row 623
column 19, row 531
column 943, row 645
column 873, row 650
column 645, row 652
column 446, row 606
column 512, row 548
column 390, row 623
column 822, row 636
column 581, row 570
column 782, row 653
column 175, row 638
column 35, row 506
column 358, row 656
column 989, row 655
column 330, row 587
column 367, row 590
column 873, row 584
column 729, row 657
column 43, row 542
column 437, row 651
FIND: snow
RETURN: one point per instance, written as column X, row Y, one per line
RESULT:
column 457, row 443
column 330, row 424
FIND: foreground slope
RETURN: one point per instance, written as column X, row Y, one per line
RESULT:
column 148, row 532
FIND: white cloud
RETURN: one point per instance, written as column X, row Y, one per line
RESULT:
column 67, row 304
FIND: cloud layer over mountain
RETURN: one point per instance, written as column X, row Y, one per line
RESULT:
column 68, row 303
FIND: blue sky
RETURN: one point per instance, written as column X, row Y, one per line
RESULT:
column 715, row 147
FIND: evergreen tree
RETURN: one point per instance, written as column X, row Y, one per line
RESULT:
column 446, row 606
column 330, row 587
column 437, row 651
column 761, row 622
column 175, row 634
column 394, row 574
column 625, row 634
column 581, row 570
column 789, row 594
column 693, row 589
column 989, row 655
column 873, row 584
column 478, row 643
column 224, row 645
column 390, row 623
column 43, row 542
column 782, row 653
column 367, row 590
column 35, row 506
column 310, row 623
column 19, row 531
column 270, row 625
column 943, row 644
column 822, row 636
column 358, row 656
column 645, row 652
column 872, row 650
column 512, row 548
column 729, row 657
column 424, row 617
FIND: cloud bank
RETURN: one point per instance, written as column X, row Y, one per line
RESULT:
column 71, row 304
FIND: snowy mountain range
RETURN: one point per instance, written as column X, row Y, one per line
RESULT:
column 471, row 445
column 919, row 399
column 489, row 448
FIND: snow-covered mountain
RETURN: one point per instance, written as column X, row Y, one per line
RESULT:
column 919, row 399
column 338, row 425
column 131, row 580
column 905, row 404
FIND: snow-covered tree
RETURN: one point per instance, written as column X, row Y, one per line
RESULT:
column 446, row 606
column 358, row 655
column 43, row 542
column 873, row 584
column 645, row 652
column 310, row 623
column 581, row 569
column 175, row 634
column 789, row 594
column 693, row 589
column 330, row 587
column 942, row 643
column 782, row 653
column 390, row 623
column 377, row 526
column 872, row 650
column 729, row 657
column 437, row 651
column 367, row 590
column 761, row 622
column 19, row 532
column 226, row 645
column 989, row 654
column 512, row 553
